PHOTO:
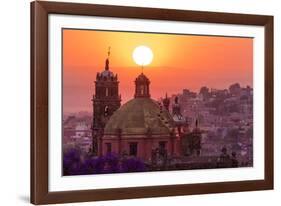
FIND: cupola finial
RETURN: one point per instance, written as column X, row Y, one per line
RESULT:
column 107, row 59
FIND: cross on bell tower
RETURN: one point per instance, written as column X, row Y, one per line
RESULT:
column 107, row 60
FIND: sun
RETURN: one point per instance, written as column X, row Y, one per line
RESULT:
column 142, row 55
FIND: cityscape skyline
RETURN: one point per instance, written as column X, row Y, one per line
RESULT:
column 90, row 110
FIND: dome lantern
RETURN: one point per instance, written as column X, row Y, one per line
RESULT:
column 142, row 87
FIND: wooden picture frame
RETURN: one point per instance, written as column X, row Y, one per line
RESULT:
column 40, row 193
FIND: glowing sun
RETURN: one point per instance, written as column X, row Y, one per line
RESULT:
column 142, row 55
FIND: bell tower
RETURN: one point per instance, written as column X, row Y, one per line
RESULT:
column 142, row 87
column 106, row 100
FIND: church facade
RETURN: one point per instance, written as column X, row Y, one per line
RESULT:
column 142, row 127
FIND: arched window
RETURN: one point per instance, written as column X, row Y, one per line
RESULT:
column 142, row 89
column 106, row 92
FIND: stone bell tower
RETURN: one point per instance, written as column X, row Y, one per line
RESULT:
column 106, row 100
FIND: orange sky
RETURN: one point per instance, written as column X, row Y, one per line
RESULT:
column 180, row 61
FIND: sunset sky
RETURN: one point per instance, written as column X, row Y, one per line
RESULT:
column 180, row 61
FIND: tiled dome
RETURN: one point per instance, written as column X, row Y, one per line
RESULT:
column 138, row 116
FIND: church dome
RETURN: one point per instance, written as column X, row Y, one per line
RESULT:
column 140, row 116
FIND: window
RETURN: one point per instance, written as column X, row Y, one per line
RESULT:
column 108, row 147
column 106, row 92
column 142, row 89
column 162, row 149
column 133, row 148
column 162, row 145
column 106, row 110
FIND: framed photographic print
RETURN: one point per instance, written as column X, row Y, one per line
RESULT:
column 131, row 102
